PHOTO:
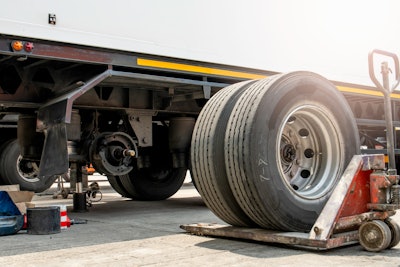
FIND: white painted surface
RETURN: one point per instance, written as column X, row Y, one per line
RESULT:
column 330, row 37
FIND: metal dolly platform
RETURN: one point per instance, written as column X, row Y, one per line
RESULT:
column 357, row 211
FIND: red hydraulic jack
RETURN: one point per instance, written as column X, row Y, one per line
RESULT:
column 359, row 208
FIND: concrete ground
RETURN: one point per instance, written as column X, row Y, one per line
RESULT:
column 121, row 232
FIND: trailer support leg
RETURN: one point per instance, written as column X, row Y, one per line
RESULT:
column 79, row 196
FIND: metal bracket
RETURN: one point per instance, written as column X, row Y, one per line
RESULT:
column 207, row 91
column 141, row 122
column 60, row 108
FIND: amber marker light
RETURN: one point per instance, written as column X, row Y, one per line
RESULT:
column 17, row 45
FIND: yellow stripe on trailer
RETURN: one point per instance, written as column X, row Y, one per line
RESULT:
column 238, row 74
column 363, row 91
column 196, row 69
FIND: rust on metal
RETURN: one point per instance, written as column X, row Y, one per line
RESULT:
column 373, row 162
column 355, row 221
column 353, row 186
column 337, row 225
column 380, row 184
column 269, row 236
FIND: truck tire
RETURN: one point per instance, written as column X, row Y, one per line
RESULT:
column 207, row 156
column 16, row 170
column 288, row 141
column 158, row 181
column 152, row 184
column 116, row 184
column 4, row 143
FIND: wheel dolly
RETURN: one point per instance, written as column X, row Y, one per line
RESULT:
column 360, row 206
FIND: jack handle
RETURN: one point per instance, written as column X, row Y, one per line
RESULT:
column 386, row 90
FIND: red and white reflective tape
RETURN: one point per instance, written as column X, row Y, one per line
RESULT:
column 64, row 220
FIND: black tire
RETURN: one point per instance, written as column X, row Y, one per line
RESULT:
column 288, row 140
column 157, row 182
column 207, row 156
column 116, row 184
column 3, row 145
column 15, row 170
column 152, row 184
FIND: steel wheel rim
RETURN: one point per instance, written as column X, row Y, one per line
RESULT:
column 27, row 170
column 309, row 151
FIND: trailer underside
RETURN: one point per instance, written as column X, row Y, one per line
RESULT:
column 132, row 116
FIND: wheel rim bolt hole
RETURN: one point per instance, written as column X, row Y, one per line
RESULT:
column 304, row 133
column 309, row 153
column 291, row 120
column 305, row 173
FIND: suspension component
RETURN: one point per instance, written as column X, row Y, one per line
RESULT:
column 180, row 134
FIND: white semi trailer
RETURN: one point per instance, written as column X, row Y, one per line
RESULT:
column 145, row 90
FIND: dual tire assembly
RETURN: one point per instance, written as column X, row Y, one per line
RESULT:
column 268, row 153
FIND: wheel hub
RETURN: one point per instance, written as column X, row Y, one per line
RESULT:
column 111, row 153
column 306, row 141
column 288, row 153
column 28, row 170
column 372, row 236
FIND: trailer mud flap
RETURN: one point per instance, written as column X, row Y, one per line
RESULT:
column 52, row 119
column 52, row 122
column 54, row 160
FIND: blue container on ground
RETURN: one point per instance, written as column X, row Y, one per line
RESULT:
column 11, row 219
column 11, row 224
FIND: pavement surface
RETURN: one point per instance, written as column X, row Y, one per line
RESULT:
column 121, row 232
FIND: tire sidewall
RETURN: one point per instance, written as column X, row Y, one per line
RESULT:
column 150, row 189
column 275, row 104
column 12, row 175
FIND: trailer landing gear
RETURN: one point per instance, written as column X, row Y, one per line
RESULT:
column 355, row 212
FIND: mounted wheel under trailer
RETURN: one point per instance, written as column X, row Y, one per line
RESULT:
column 357, row 211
